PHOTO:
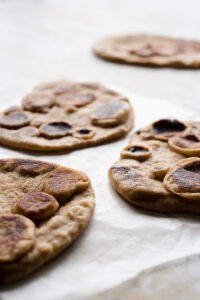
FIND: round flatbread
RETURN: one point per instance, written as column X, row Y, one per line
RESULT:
column 66, row 115
column 146, row 49
column 160, row 168
column 43, row 208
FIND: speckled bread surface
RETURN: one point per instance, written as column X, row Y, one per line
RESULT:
column 43, row 208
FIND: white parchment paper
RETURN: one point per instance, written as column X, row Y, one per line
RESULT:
column 120, row 241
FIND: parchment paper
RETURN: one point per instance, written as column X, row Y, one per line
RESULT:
column 120, row 241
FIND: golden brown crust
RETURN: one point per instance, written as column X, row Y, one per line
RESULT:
column 63, row 183
column 36, row 206
column 55, row 112
column 28, row 178
column 146, row 49
column 31, row 167
column 17, row 236
column 164, row 181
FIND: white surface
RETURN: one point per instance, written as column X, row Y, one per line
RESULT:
column 42, row 40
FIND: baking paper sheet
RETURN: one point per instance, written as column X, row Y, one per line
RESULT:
column 177, row 279
column 121, row 240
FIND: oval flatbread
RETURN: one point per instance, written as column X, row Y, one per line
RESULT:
column 158, row 170
column 64, row 115
column 43, row 208
column 143, row 49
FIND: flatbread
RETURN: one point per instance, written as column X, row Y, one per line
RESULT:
column 143, row 49
column 160, row 168
column 43, row 208
column 64, row 115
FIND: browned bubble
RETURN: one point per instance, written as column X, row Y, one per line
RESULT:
column 187, row 177
column 14, row 120
column 31, row 167
column 12, row 228
column 167, row 125
column 136, row 151
column 84, row 133
column 186, row 141
column 37, row 205
column 55, row 129
column 38, row 101
column 107, row 110
column 62, row 184
column 75, row 99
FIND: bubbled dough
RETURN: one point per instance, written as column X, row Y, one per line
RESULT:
column 82, row 100
column 184, row 178
column 17, row 236
column 36, row 205
column 140, row 181
column 186, row 144
column 54, row 231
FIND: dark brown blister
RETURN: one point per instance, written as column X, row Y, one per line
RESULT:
column 136, row 151
column 16, row 236
column 55, row 129
column 84, row 133
column 165, row 128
